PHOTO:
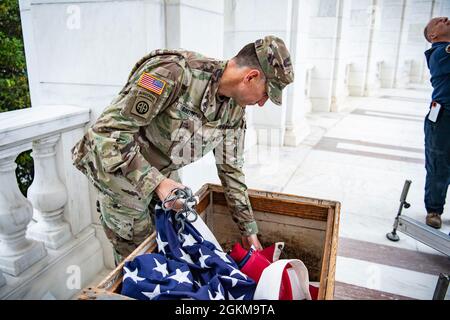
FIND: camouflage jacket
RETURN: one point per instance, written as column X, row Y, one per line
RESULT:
column 167, row 116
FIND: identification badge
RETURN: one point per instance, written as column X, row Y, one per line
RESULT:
column 434, row 111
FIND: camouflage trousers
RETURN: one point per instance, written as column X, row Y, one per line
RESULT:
column 125, row 228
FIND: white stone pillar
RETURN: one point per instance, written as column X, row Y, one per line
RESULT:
column 16, row 252
column 48, row 195
column 298, row 98
column 411, row 58
column 386, row 20
column 356, row 21
column 322, row 50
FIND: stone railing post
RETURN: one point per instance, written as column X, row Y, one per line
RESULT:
column 17, row 253
column 48, row 196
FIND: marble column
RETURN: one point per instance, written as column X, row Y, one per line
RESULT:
column 321, row 48
column 48, row 196
column 358, row 19
column 17, row 253
column 298, row 94
column 387, row 38
column 411, row 59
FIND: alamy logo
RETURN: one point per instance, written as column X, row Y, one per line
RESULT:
column 74, row 19
column 73, row 281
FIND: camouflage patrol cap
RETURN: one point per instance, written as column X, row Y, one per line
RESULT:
column 276, row 64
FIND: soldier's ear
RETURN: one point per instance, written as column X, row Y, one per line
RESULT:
column 252, row 74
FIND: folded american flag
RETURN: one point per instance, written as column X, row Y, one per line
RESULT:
column 193, row 268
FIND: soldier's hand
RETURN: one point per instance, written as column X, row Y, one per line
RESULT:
column 248, row 241
column 165, row 188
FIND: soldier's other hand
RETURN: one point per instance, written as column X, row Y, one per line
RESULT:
column 248, row 241
column 164, row 189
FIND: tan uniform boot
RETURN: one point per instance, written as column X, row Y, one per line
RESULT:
column 434, row 220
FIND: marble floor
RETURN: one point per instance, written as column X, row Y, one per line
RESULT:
column 361, row 158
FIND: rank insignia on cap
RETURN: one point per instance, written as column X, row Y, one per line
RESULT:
column 447, row 49
column 151, row 83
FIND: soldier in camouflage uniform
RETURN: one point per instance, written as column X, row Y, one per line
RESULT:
column 176, row 107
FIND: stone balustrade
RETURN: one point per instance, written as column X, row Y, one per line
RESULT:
column 38, row 129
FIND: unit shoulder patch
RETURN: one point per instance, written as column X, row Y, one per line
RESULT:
column 151, row 83
column 140, row 105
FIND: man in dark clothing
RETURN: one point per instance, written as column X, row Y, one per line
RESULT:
column 437, row 121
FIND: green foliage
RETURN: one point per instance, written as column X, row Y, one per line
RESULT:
column 24, row 171
column 14, row 91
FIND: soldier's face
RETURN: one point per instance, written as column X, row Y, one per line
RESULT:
column 439, row 27
column 252, row 89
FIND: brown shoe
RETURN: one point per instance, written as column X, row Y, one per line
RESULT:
column 434, row 220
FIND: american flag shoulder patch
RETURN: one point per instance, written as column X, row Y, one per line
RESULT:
column 151, row 83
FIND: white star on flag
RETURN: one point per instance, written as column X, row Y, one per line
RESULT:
column 132, row 275
column 181, row 277
column 154, row 293
column 198, row 283
column 233, row 280
column 185, row 257
column 219, row 295
column 202, row 259
column 188, row 240
column 161, row 268
column 161, row 244
column 236, row 271
column 230, row 297
column 222, row 255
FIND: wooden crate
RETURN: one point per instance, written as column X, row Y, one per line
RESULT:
column 308, row 226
